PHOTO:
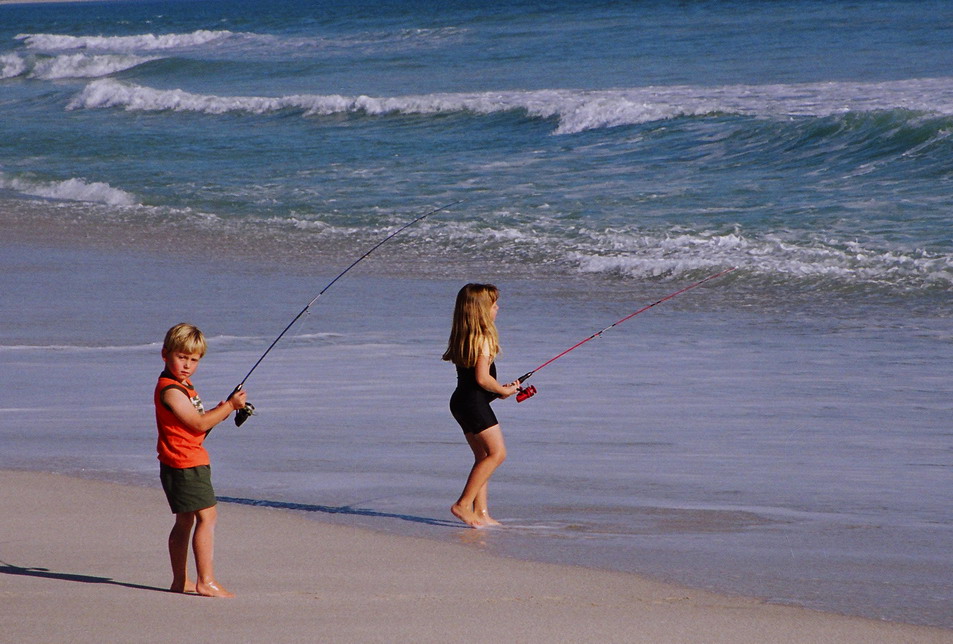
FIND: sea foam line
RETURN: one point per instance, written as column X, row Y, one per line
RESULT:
column 575, row 110
column 852, row 262
column 632, row 252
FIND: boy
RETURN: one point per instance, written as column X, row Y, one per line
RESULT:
column 184, row 465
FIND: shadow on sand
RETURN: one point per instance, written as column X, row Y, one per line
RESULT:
column 46, row 573
column 342, row 509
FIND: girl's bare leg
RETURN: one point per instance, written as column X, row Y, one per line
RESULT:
column 489, row 451
column 203, row 543
column 480, row 505
column 179, row 539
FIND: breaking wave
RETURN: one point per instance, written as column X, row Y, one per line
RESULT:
column 79, row 65
column 574, row 110
column 140, row 42
column 69, row 190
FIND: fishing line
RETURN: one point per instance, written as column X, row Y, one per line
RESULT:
column 528, row 392
column 249, row 409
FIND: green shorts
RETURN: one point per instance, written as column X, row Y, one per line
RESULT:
column 189, row 489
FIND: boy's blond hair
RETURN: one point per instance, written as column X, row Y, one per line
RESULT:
column 473, row 328
column 185, row 337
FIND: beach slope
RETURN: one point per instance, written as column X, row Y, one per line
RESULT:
column 85, row 561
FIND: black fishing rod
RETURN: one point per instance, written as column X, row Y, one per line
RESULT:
column 528, row 392
column 249, row 409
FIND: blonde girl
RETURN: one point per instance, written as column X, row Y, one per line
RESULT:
column 473, row 345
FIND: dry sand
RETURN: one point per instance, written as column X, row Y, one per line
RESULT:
column 85, row 561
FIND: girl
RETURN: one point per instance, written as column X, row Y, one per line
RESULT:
column 473, row 345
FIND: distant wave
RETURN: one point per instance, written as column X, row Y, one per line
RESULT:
column 140, row 42
column 69, row 190
column 269, row 43
column 574, row 110
column 68, row 65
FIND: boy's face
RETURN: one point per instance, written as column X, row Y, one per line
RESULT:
column 181, row 364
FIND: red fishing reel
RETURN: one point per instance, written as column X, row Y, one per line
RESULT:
column 525, row 392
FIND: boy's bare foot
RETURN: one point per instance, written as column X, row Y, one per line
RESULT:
column 188, row 587
column 212, row 589
column 466, row 515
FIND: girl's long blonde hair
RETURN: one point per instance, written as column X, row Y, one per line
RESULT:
column 473, row 327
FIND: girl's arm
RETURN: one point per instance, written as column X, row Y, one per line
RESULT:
column 189, row 416
column 488, row 382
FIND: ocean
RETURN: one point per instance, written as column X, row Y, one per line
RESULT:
column 783, row 431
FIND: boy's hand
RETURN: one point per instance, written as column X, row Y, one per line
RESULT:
column 237, row 400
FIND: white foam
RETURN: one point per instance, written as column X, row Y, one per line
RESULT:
column 11, row 66
column 576, row 111
column 649, row 256
column 85, row 65
column 68, row 65
column 70, row 190
column 139, row 42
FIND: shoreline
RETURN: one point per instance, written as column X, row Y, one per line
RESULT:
column 92, row 566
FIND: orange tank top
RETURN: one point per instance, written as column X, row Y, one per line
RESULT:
column 178, row 446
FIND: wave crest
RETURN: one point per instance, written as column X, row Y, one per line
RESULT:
column 140, row 42
column 575, row 110
column 68, row 65
column 69, row 190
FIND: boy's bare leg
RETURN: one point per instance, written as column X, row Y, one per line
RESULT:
column 179, row 539
column 203, row 543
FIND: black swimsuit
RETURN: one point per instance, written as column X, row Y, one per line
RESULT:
column 470, row 403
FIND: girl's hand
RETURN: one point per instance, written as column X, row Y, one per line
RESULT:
column 509, row 389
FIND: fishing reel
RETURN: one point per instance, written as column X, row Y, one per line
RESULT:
column 242, row 414
column 525, row 392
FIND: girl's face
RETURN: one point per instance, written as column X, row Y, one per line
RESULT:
column 181, row 364
column 493, row 310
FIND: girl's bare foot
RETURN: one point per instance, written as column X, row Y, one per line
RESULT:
column 211, row 589
column 466, row 515
column 486, row 520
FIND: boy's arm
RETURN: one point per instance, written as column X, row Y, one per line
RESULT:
column 176, row 400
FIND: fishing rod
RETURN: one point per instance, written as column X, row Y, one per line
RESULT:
column 528, row 392
column 249, row 409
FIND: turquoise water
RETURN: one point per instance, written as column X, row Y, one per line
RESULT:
column 783, row 431
column 806, row 142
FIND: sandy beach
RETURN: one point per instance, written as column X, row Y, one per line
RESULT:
column 85, row 561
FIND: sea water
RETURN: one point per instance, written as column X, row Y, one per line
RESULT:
column 782, row 431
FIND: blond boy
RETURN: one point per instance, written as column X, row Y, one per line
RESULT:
column 184, row 464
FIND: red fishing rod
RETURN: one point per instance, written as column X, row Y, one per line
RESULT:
column 528, row 392
column 249, row 409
